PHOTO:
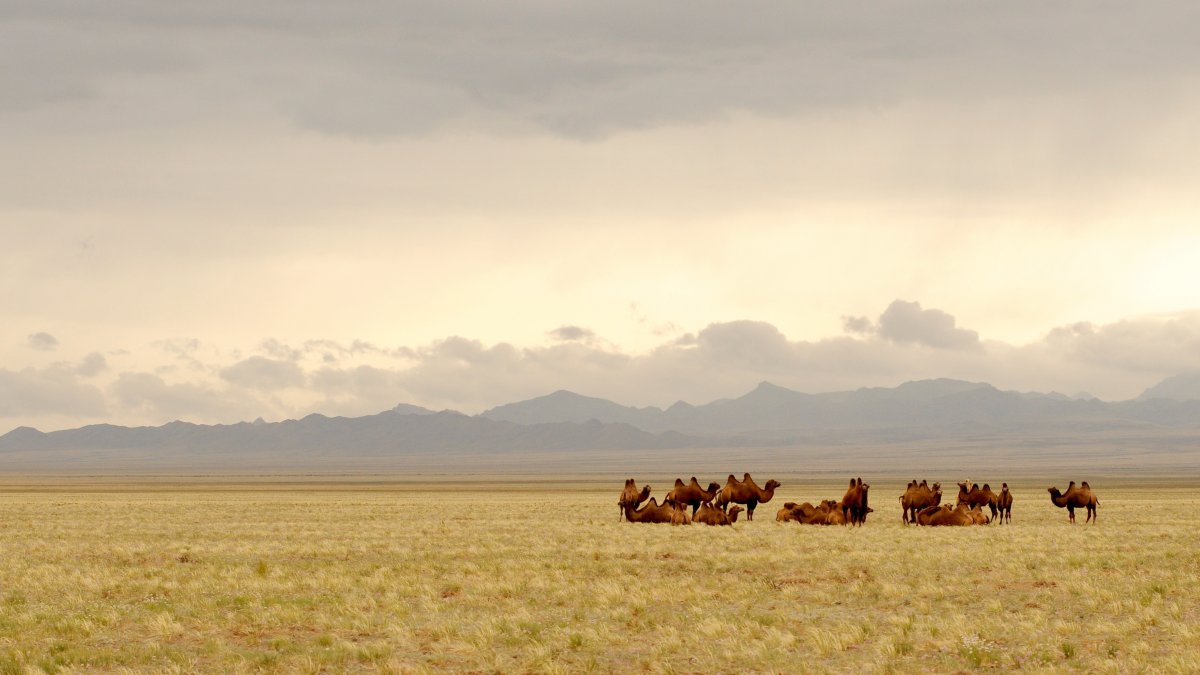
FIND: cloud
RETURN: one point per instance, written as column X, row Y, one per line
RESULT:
column 579, row 70
column 93, row 364
column 571, row 334
column 905, row 322
column 43, row 341
column 261, row 373
column 149, row 397
column 1115, row 361
column 54, row 391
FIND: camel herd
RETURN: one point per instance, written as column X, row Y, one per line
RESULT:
column 921, row 504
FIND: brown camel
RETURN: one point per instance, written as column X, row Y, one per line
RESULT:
column 711, row 515
column 835, row 516
column 854, row 503
column 805, row 514
column 679, row 514
column 692, row 494
column 973, row 495
column 945, row 515
column 1076, row 497
column 978, row 516
column 630, row 495
column 918, row 496
column 1004, row 504
column 746, row 492
column 653, row 512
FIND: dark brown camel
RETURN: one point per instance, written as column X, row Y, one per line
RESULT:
column 746, row 492
column 1004, row 504
column 973, row 495
column 711, row 515
column 692, row 494
column 630, row 495
column 918, row 496
column 854, row 503
column 1076, row 498
column 652, row 512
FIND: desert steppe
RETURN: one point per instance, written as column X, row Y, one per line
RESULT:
column 536, row 574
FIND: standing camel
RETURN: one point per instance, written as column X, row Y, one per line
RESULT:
column 692, row 494
column 918, row 496
column 854, row 503
column 1003, row 504
column 746, row 492
column 1076, row 497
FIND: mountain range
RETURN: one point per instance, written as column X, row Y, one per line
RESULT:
column 564, row 421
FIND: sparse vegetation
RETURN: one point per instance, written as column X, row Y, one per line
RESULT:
column 481, row 579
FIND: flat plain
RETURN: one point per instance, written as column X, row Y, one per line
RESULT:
column 539, row 575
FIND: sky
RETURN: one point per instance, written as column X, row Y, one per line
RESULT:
column 216, row 213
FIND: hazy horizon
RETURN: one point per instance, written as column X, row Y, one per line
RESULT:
column 217, row 214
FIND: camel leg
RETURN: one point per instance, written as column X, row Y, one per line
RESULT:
column 695, row 508
column 750, row 509
column 1071, row 514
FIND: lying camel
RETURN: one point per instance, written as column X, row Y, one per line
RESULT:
column 1004, row 504
column 711, row 515
column 1076, row 497
column 650, row 513
column 692, row 494
column 679, row 514
column 918, row 496
column 854, row 503
column 805, row 514
column 973, row 495
column 630, row 495
column 746, row 492
column 978, row 516
column 945, row 515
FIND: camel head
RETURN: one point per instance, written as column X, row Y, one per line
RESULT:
column 713, row 487
column 734, row 511
column 771, row 485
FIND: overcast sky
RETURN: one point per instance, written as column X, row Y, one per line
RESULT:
column 216, row 213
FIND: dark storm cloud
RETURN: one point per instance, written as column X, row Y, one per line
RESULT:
column 378, row 68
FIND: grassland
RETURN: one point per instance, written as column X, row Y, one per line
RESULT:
column 164, row 576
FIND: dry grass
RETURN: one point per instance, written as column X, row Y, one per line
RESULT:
column 521, row 580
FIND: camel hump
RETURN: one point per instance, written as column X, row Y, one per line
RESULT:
column 745, row 478
column 1085, row 484
column 678, row 482
column 987, row 487
column 1004, row 486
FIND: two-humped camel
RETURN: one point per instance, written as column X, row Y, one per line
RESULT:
column 691, row 494
column 854, row 503
column 973, row 495
column 918, row 496
column 711, row 515
column 1075, row 498
column 630, row 495
column 745, row 492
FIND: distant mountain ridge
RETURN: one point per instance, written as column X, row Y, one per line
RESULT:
column 563, row 421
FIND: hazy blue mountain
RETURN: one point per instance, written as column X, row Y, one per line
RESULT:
column 1182, row 387
column 769, row 416
column 567, row 406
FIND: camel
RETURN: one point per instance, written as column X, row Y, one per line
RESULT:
column 746, row 492
column 973, row 495
column 692, row 494
column 854, row 503
column 805, row 514
column 945, row 515
column 835, row 516
column 679, row 514
column 977, row 515
column 630, row 495
column 652, row 512
column 711, row 515
column 1004, row 504
column 1074, row 498
column 918, row 496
